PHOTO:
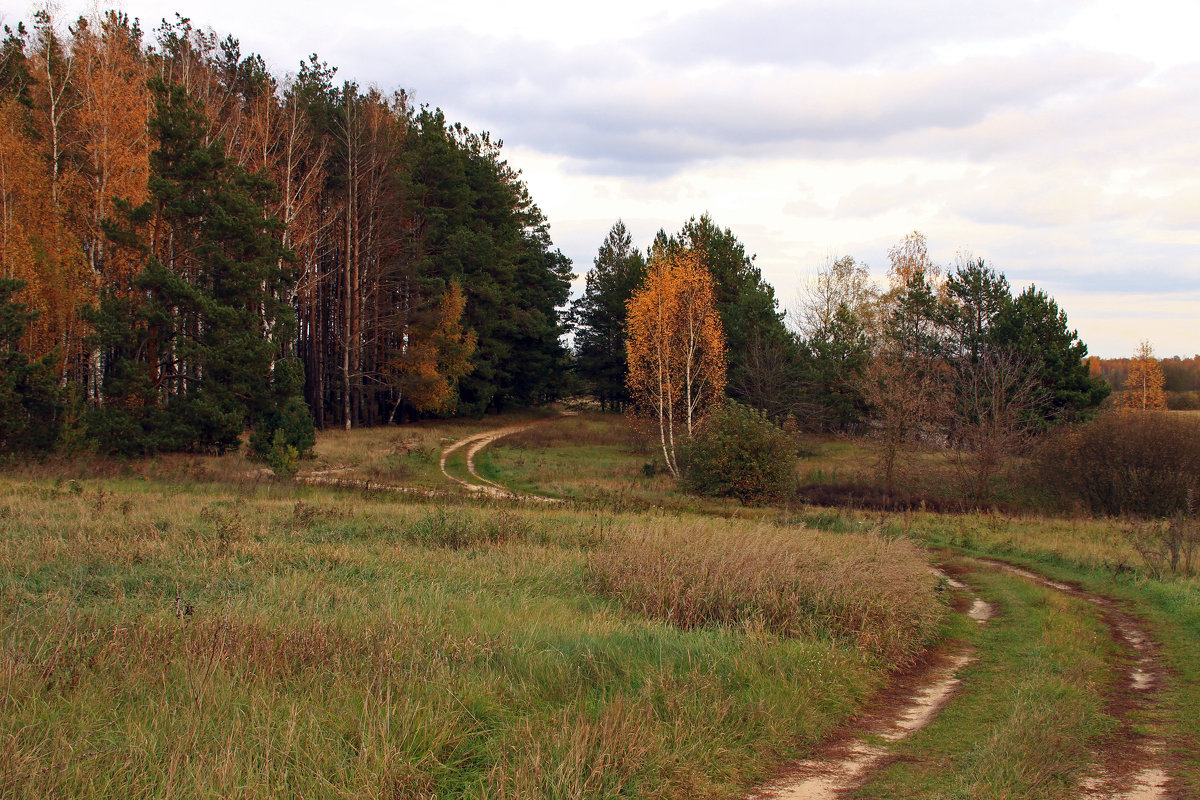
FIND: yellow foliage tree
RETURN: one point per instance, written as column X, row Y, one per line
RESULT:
column 1144, row 386
column 436, row 352
column 676, row 348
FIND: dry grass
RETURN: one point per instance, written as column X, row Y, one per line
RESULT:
column 861, row 588
column 208, row 640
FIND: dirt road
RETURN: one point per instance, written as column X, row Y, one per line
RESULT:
column 476, row 442
column 1130, row 766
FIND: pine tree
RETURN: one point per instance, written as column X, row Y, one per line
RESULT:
column 599, row 317
column 1035, row 329
column 207, row 310
column 30, row 400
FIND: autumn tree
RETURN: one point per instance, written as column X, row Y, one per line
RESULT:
column 905, row 382
column 676, row 349
column 434, row 353
column 908, row 257
column 1144, row 386
column 992, row 415
column 747, row 304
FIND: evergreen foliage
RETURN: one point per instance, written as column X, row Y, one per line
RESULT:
column 837, row 335
column 1035, row 328
column 207, row 309
column 599, row 317
column 483, row 230
column 290, row 426
column 31, row 402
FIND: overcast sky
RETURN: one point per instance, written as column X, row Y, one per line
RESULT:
column 1059, row 140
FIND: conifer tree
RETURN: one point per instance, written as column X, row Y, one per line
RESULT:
column 30, row 400
column 599, row 317
column 207, row 309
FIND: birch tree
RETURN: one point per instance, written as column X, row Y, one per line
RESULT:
column 676, row 349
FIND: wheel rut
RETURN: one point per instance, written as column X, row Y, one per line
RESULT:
column 1133, row 766
column 476, row 442
column 912, row 701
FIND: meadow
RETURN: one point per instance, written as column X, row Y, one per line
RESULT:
column 229, row 635
column 194, row 627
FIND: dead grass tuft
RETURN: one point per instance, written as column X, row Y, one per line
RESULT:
column 863, row 588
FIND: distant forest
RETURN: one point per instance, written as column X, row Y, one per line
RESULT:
column 1182, row 375
column 188, row 241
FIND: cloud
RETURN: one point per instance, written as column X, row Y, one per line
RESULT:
column 844, row 34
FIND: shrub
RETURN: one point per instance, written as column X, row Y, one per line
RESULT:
column 280, row 429
column 460, row 530
column 739, row 453
column 1126, row 462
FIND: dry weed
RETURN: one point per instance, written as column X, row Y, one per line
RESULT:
column 863, row 588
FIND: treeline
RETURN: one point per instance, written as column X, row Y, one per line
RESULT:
column 945, row 357
column 816, row 371
column 1181, row 377
column 191, row 241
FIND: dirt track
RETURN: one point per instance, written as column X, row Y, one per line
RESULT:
column 912, row 701
column 1130, row 767
column 476, row 442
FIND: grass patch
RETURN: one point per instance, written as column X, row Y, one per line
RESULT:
column 263, row 641
column 1030, row 712
column 873, row 593
column 1096, row 554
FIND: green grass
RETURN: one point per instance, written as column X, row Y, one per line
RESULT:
column 263, row 640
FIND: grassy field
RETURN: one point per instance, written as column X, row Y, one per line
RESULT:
column 1093, row 552
column 172, row 638
column 190, row 626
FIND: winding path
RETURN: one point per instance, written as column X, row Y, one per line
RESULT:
column 908, row 706
column 476, row 442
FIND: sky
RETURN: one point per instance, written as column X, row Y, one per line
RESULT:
column 1057, row 139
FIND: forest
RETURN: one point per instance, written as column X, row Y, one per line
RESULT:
column 189, row 245
column 192, row 247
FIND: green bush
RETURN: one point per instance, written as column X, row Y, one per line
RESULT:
column 280, row 429
column 1126, row 462
column 739, row 453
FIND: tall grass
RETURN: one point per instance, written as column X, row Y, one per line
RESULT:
column 275, row 641
column 863, row 589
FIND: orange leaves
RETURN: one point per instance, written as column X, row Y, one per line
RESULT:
column 676, row 348
column 1144, row 386
column 435, row 354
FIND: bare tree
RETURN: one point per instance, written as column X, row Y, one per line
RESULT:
column 992, row 417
